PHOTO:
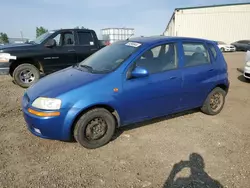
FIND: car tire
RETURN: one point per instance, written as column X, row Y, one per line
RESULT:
column 222, row 49
column 25, row 75
column 95, row 128
column 214, row 102
column 246, row 79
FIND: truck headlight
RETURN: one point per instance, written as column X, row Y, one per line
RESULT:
column 5, row 57
column 44, row 103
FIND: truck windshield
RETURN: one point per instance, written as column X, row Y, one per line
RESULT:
column 110, row 57
column 42, row 37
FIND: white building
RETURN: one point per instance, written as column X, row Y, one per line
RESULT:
column 227, row 23
column 116, row 34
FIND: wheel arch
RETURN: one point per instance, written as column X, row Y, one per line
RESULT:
column 223, row 86
column 112, row 110
column 20, row 61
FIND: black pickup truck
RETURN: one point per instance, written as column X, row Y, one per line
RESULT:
column 50, row 52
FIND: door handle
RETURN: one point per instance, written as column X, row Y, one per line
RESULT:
column 93, row 49
column 71, row 50
column 211, row 70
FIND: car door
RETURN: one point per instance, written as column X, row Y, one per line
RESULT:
column 157, row 94
column 247, row 45
column 86, row 44
column 62, row 55
column 198, row 73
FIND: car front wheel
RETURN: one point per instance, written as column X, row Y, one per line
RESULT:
column 25, row 75
column 95, row 128
column 214, row 102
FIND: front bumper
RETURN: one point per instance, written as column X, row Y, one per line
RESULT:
column 247, row 72
column 4, row 68
column 55, row 128
column 230, row 49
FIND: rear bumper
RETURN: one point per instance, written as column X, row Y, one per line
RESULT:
column 4, row 68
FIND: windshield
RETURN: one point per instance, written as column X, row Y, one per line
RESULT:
column 42, row 37
column 110, row 57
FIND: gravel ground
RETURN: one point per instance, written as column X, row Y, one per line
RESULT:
column 144, row 155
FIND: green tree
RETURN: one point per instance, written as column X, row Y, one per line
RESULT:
column 40, row 30
column 4, row 38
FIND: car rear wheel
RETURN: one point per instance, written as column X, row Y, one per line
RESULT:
column 25, row 75
column 95, row 128
column 222, row 49
column 214, row 102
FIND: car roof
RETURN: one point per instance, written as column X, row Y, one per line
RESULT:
column 156, row 39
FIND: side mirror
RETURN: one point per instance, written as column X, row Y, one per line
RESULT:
column 139, row 72
column 50, row 43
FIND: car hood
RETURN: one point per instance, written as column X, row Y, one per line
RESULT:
column 226, row 45
column 61, row 82
column 15, row 47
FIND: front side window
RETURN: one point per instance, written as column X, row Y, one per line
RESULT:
column 159, row 59
column 195, row 54
column 64, row 39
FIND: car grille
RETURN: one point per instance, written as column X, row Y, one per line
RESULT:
column 247, row 74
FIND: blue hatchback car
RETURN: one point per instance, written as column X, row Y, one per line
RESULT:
column 127, row 82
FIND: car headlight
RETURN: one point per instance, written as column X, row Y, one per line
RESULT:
column 44, row 103
column 248, row 64
column 5, row 57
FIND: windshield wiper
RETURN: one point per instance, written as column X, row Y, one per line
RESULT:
column 87, row 67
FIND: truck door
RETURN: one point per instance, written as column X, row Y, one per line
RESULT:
column 87, row 44
column 62, row 55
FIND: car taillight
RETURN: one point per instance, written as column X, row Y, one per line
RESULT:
column 107, row 43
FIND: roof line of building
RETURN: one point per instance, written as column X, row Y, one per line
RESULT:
column 211, row 6
column 118, row 28
column 206, row 6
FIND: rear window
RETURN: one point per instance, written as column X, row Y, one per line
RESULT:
column 85, row 38
column 195, row 54
column 213, row 50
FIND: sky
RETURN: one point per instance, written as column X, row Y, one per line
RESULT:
column 147, row 17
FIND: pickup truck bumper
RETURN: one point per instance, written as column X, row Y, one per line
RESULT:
column 4, row 68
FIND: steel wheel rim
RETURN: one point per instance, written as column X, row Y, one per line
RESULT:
column 96, row 129
column 216, row 101
column 26, row 76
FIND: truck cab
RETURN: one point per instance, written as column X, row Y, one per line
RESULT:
column 50, row 52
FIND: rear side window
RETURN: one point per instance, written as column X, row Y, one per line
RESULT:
column 213, row 50
column 195, row 54
column 85, row 38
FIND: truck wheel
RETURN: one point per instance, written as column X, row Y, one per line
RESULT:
column 95, row 128
column 214, row 102
column 25, row 75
